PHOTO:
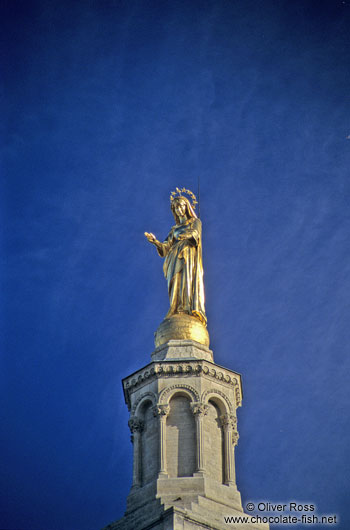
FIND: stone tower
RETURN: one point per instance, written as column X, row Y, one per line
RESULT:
column 184, row 432
column 183, row 406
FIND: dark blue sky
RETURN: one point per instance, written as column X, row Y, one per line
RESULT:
column 108, row 106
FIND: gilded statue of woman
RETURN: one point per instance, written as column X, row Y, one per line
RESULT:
column 182, row 250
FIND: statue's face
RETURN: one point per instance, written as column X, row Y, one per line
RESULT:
column 180, row 208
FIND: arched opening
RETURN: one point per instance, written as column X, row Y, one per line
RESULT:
column 180, row 438
column 214, row 443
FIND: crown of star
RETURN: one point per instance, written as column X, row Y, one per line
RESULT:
column 180, row 193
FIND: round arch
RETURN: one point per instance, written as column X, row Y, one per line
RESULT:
column 219, row 398
column 147, row 396
column 166, row 394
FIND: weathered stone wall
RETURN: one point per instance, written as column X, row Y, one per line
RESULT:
column 213, row 443
column 180, row 438
column 149, row 446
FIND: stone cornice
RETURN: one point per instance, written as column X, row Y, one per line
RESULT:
column 174, row 369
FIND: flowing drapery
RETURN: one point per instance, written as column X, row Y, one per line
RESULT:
column 183, row 269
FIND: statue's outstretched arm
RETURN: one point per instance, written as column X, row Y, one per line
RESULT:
column 163, row 248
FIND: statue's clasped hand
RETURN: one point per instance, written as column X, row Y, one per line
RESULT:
column 188, row 235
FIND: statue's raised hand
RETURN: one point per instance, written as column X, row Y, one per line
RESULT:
column 151, row 238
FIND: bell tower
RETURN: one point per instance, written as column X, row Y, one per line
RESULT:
column 183, row 406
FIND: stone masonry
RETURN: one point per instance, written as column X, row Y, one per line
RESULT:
column 184, row 432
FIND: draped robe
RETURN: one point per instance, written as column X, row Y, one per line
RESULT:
column 183, row 269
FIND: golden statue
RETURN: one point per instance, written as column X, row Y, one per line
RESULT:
column 183, row 270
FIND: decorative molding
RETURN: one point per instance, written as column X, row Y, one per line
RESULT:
column 150, row 395
column 161, row 410
column 167, row 369
column 238, row 396
column 135, row 424
column 228, row 421
column 206, row 396
column 199, row 408
column 164, row 395
column 235, row 436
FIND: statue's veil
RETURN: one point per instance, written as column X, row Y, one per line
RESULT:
column 189, row 208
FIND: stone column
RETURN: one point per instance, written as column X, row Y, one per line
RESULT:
column 228, row 423
column 199, row 410
column 162, row 411
column 136, row 427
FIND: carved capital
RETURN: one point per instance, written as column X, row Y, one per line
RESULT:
column 228, row 421
column 135, row 424
column 199, row 409
column 161, row 410
column 235, row 436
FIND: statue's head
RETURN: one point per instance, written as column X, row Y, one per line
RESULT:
column 181, row 206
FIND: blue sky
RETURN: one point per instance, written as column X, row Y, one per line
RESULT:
column 108, row 107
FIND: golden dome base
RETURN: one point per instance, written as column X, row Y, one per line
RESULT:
column 181, row 327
